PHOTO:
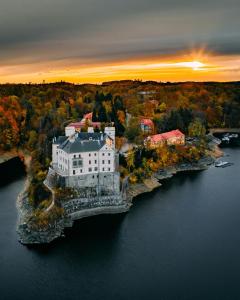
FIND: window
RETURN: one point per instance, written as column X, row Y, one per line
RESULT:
column 95, row 161
column 103, row 154
column 103, row 169
column 95, row 169
column 93, row 176
column 74, row 156
column 109, row 161
column 79, row 155
column 77, row 163
column 89, row 169
column 109, row 154
column 89, row 154
column 80, row 170
column 95, row 154
column 109, row 169
column 89, row 162
column 74, row 172
column 103, row 162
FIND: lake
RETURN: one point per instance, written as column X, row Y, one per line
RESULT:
column 181, row 241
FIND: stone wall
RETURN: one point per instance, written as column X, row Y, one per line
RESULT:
column 101, row 182
column 83, row 207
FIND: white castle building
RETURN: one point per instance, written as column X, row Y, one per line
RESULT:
column 86, row 160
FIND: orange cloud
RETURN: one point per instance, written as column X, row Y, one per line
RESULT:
column 198, row 67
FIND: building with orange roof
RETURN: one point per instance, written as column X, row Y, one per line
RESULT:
column 174, row 137
column 147, row 125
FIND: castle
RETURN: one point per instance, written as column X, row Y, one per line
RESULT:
column 87, row 160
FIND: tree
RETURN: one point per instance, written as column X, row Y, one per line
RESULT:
column 162, row 107
column 130, row 159
column 133, row 131
column 196, row 128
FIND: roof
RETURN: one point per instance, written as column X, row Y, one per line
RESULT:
column 166, row 135
column 91, row 135
column 59, row 140
column 82, row 123
column 84, row 142
column 81, row 146
column 147, row 122
column 88, row 116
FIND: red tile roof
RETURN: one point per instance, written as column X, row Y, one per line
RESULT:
column 88, row 116
column 81, row 124
column 147, row 122
column 166, row 135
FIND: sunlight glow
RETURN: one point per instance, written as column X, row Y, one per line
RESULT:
column 195, row 65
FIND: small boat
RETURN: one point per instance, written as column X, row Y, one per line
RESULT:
column 226, row 139
column 223, row 164
column 233, row 136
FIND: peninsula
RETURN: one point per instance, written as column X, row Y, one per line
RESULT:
column 91, row 149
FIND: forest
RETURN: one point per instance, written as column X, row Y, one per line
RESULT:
column 32, row 114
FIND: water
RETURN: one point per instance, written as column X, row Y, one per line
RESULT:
column 180, row 242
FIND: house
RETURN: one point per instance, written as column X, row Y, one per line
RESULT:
column 174, row 137
column 77, row 126
column 87, row 159
column 146, row 125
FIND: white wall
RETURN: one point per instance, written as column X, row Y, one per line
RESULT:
column 110, row 131
column 69, row 130
column 54, row 154
column 92, row 162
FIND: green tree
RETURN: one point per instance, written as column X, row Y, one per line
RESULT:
column 196, row 128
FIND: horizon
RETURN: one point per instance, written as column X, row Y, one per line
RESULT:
column 121, row 80
column 101, row 41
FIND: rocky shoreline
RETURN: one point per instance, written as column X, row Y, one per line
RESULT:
column 148, row 185
column 29, row 236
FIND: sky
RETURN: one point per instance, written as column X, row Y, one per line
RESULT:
column 91, row 41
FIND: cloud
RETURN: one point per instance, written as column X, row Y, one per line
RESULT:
column 86, row 32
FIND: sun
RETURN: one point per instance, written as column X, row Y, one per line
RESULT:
column 195, row 65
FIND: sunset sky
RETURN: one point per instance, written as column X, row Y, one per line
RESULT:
column 98, row 40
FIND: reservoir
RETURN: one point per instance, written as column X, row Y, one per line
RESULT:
column 182, row 241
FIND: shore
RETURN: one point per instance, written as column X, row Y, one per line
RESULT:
column 29, row 236
column 150, row 184
column 6, row 156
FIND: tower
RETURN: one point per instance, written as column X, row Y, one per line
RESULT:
column 110, row 131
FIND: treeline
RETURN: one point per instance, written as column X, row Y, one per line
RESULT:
column 31, row 115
